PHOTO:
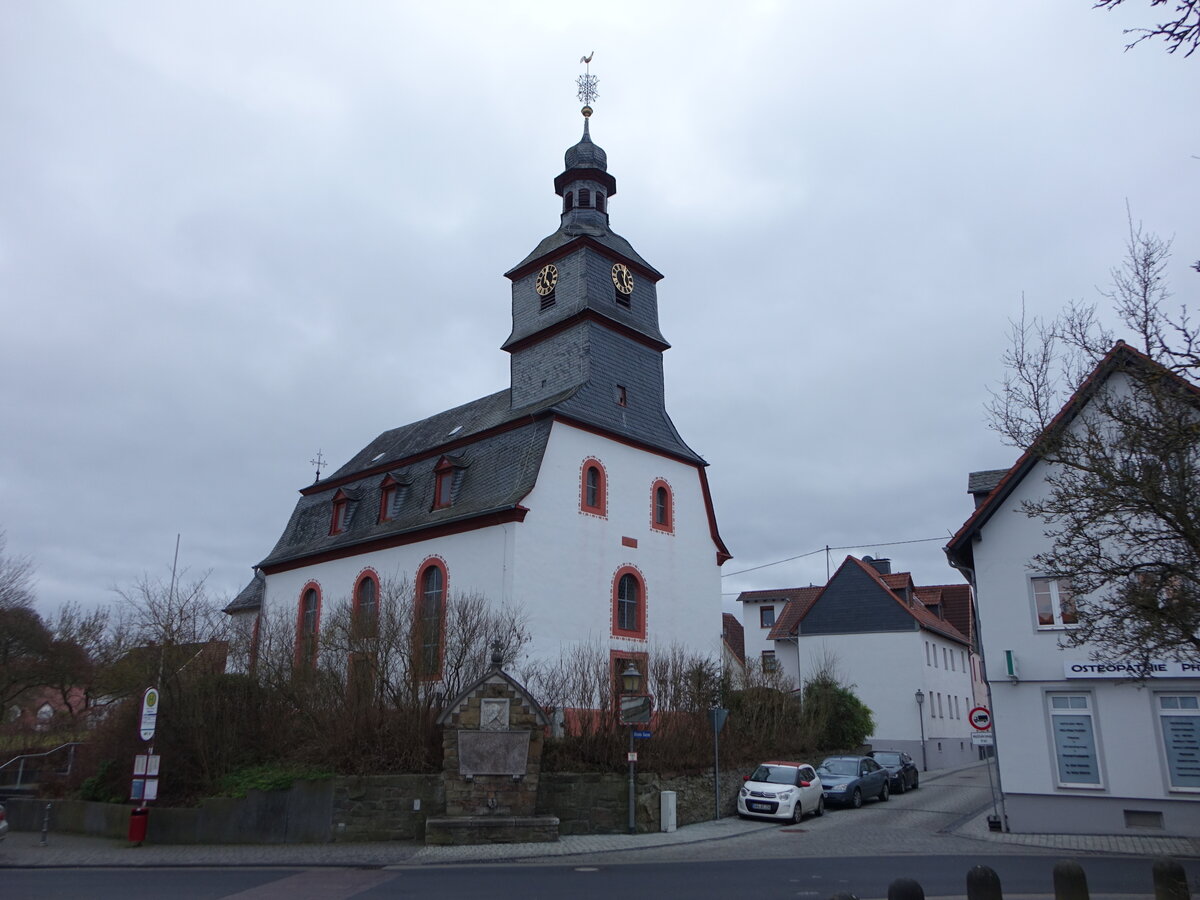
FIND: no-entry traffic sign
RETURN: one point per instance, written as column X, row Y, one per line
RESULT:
column 981, row 718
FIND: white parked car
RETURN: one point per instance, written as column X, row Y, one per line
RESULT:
column 782, row 790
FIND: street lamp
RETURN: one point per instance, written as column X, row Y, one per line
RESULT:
column 921, row 718
column 631, row 683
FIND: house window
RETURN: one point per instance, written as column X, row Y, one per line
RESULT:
column 307, row 624
column 941, row 713
column 629, row 606
column 1179, row 716
column 935, row 650
column 569, row 201
column 585, row 198
column 366, row 605
column 622, row 395
column 1074, row 740
column 662, row 514
column 769, row 662
column 593, row 488
column 953, row 662
column 431, row 617
column 766, row 616
column 927, row 653
column 391, row 497
column 599, row 201
column 945, row 658
column 1054, row 602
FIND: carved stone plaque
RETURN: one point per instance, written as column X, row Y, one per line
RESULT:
column 493, row 714
column 493, row 752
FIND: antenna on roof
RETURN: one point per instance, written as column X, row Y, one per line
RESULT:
column 318, row 462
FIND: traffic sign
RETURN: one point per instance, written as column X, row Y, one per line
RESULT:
column 983, row 739
column 641, row 735
column 981, row 718
column 149, row 713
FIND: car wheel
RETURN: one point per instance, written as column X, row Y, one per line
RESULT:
column 797, row 812
column 916, row 780
column 885, row 792
column 820, row 807
column 902, row 786
column 856, row 798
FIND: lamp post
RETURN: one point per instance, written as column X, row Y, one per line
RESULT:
column 921, row 718
column 631, row 683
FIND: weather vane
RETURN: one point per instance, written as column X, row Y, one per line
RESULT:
column 318, row 462
column 587, row 84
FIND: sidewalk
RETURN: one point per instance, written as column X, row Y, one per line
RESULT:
column 24, row 849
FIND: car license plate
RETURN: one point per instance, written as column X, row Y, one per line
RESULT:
column 765, row 807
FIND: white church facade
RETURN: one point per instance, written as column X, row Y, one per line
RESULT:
column 568, row 495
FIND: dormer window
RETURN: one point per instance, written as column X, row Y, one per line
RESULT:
column 447, row 475
column 340, row 518
column 392, row 492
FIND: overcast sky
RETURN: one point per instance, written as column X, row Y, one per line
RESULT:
column 232, row 234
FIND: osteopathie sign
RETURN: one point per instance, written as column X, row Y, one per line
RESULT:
column 1131, row 668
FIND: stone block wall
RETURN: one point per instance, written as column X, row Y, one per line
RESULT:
column 385, row 807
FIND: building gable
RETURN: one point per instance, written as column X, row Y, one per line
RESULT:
column 855, row 601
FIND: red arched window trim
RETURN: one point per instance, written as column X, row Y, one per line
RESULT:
column 629, row 608
column 366, row 620
column 308, row 625
column 593, row 488
column 429, row 625
column 662, row 507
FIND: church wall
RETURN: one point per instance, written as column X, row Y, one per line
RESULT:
column 566, row 560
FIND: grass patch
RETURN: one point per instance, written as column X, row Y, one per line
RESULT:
column 240, row 782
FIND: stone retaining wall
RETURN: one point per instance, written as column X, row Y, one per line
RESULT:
column 386, row 807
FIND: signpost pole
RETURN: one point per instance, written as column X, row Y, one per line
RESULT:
column 716, row 718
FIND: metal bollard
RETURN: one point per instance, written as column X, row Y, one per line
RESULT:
column 905, row 889
column 983, row 884
column 45, row 827
column 1070, row 882
column 1170, row 881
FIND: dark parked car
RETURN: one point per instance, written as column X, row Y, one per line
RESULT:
column 847, row 780
column 901, row 768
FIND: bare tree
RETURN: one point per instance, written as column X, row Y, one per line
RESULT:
column 1182, row 30
column 1122, row 505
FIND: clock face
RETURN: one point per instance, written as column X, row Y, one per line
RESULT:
column 622, row 278
column 546, row 280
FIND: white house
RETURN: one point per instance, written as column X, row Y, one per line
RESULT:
column 905, row 649
column 1081, row 746
column 568, row 494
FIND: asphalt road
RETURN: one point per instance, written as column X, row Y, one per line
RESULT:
column 808, row 879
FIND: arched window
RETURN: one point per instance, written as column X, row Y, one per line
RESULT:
column 662, row 512
column 308, row 622
column 629, row 604
column 366, row 605
column 585, row 198
column 593, row 488
column 431, row 616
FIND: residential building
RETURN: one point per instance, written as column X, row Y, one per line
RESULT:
column 1086, row 741
column 904, row 649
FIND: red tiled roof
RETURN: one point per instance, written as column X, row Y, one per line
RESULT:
column 956, row 606
column 800, row 601
column 734, row 635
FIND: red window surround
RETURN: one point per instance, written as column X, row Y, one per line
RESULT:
column 308, row 625
column 387, row 498
column 444, row 481
column 429, row 626
column 341, row 504
column 593, row 488
column 629, row 604
column 366, row 603
column 662, row 507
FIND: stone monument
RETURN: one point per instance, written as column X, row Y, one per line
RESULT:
column 492, row 735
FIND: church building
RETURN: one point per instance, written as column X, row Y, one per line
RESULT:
column 568, row 494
